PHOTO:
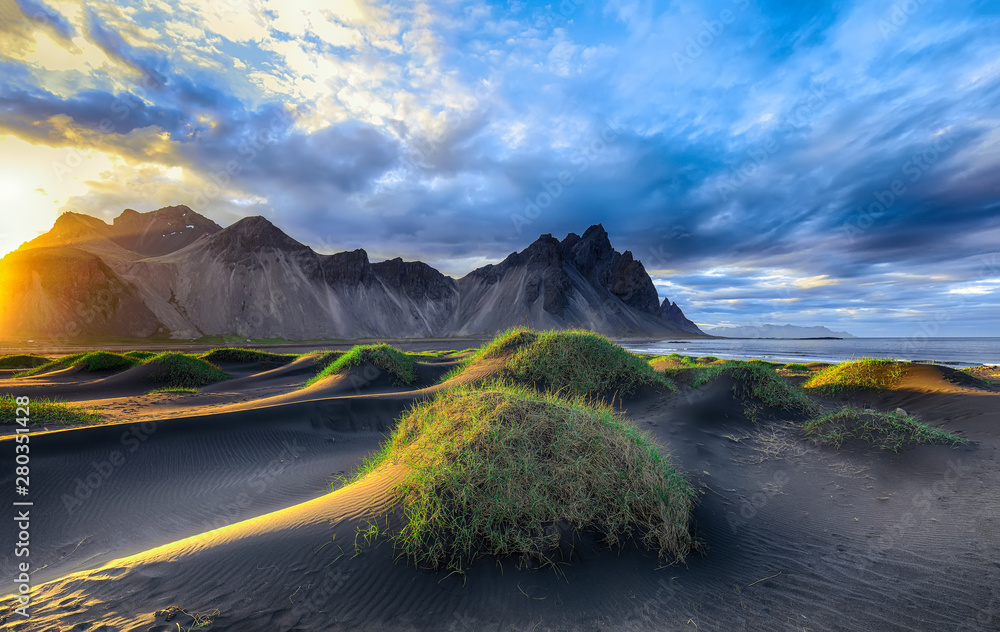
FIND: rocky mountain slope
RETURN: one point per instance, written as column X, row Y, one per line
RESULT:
column 174, row 272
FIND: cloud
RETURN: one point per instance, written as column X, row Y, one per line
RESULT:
column 761, row 159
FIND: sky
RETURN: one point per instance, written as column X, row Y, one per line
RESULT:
column 813, row 163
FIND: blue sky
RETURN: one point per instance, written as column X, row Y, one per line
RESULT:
column 829, row 163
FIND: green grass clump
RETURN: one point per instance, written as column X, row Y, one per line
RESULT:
column 326, row 358
column 105, row 361
column 507, row 342
column 52, row 365
column 91, row 361
column 139, row 355
column 435, row 353
column 578, row 362
column 386, row 357
column 758, row 385
column 239, row 354
column 176, row 369
column 707, row 359
column 866, row 373
column 884, row 430
column 22, row 361
column 685, row 360
column 794, row 366
column 45, row 411
column 173, row 389
column 494, row 471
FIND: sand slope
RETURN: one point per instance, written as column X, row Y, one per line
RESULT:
column 795, row 536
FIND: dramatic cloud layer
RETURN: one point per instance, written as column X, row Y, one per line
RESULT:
column 810, row 163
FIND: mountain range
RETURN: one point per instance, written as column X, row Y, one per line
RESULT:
column 777, row 331
column 175, row 273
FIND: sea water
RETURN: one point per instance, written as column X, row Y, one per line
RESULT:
column 957, row 352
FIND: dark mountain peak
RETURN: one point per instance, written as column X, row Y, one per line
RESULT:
column 243, row 242
column 569, row 241
column 591, row 250
column 543, row 251
column 415, row 278
column 162, row 231
column 257, row 233
column 597, row 232
column 347, row 268
column 672, row 313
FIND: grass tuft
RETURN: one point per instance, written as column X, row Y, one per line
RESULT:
column 22, row 361
column 52, row 365
column 884, row 430
column 105, row 361
column 505, row 470
column 240, row 354
column 795, row 366
column 326, row 358
column 176, row 369
column 140, row 355
column 507, row 342
column 576, row 361
column 866, row 373
column 758, row 385
column 45, row 411
column 388, row 358
column 173, row 389
column 90, row 361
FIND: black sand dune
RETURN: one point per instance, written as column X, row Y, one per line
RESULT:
column 796, row 537
column 295, row 372
column 73, row 384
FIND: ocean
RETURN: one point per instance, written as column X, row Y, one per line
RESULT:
column 957, row 352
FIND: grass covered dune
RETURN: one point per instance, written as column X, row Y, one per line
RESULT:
column 171, row 369
column 45, row 411
column 577, row 362
column 505, row 470
column 396, row 363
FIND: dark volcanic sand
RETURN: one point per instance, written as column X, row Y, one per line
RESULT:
column 227, row 508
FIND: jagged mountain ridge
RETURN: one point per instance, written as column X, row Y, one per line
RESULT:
column 174, row 272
